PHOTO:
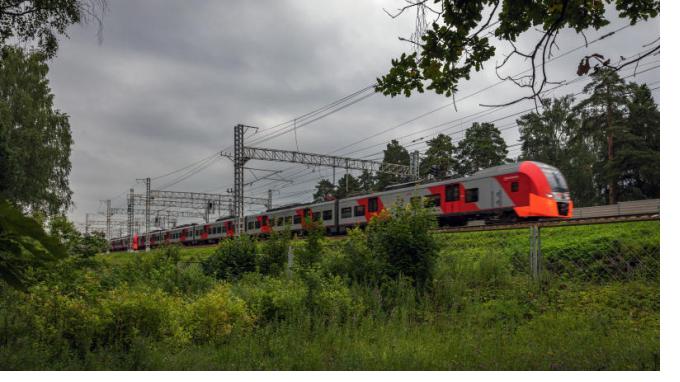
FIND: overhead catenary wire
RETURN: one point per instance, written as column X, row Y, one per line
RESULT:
column 552, row 89
column 507, row 116
column 602, row 37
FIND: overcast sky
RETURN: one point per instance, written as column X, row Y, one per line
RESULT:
column 171, row 78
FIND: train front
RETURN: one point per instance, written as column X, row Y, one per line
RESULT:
column 549, row 194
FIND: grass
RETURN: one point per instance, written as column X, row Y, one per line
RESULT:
column 483, row 313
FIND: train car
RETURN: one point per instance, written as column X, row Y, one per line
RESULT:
column 516, row 191
column 524, row 190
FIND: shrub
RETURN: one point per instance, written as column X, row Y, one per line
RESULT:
column 272, row 299
column 232, row 258
column 50, row 318
column 310, row 253
column 333, row 301
column 401, row 238
column 215, row 315
column 354, row 260
column 132, row 313
column 274, row 255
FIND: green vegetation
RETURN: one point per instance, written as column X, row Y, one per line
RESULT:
column 349, row 304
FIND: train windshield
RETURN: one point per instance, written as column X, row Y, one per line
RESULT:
column 556, row 180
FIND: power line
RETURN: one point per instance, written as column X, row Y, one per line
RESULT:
column 602, row 37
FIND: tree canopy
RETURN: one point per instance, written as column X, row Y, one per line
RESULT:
column 609, row 138
column 457, row 40
column 394, row 153
column 35, row 138
column 481, row 148
column 40, row 22
column 438, row 161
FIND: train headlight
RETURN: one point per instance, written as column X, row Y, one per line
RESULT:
column 549, row 195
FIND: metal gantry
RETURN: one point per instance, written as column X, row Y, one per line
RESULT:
column 242, row 154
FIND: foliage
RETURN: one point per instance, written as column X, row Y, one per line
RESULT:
column 438, row 161
column 554, row 136
column 366, row 181
column 76, row 244
column 347, row 185
column 309, row 255
column 35, row 138
column 274, row 254
column 576, row 140
column 272, row 299
column 457, row 42
column 355, row 260
column 395, row 153
column 215, row 315
column 604, row 121
column 325, row 190
column 481, row 148
column 232, row 258
column 639, row 147
column 40, row 22
column 482, row 311
column 23, row 246
column 402, row 240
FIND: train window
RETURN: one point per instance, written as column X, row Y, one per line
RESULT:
column 359, row 211
column 471, row 195
column 415, row 200
column 296, row 219
column 279, row 221
column 346, row 212
column 316, row 216
column 434, row 200
column 257, row 224
column 373, row 205
column 288, row 219
column 250, row 225
column 514, row 186
column 452, row 192
column 328, row 215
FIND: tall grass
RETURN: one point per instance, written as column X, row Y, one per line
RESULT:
column 482, row 312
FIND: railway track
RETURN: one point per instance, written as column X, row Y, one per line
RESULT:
column 552, row 223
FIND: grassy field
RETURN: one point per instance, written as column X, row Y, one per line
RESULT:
column 596, row 307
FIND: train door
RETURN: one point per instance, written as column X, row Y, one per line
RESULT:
column 495, row 194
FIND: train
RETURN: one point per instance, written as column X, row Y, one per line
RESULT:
column 526, row 190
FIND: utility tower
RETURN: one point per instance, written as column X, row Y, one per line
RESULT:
column 108, row 221
column 243, row 154
column 131, row 217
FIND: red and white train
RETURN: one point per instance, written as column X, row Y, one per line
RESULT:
column 517, row 191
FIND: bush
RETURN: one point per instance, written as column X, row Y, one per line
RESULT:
column 401, row 238
column 272, row 299
column 333, row 301
column 129, row 314
column 232, row 258
column 49, row 318
column 354, row 260
column 215, row 315
column 310, row 253
column 274, row 254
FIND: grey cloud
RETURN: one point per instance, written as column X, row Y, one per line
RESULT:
column 171, row 78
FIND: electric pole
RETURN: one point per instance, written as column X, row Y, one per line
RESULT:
column 108, row 224
column 131, row 217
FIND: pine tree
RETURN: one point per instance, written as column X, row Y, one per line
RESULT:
column 395, row 153
column 481, row 148
column 438, row 161
column 604, row 120
column 347, row 185
column 638, row 147
column 325, row 190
